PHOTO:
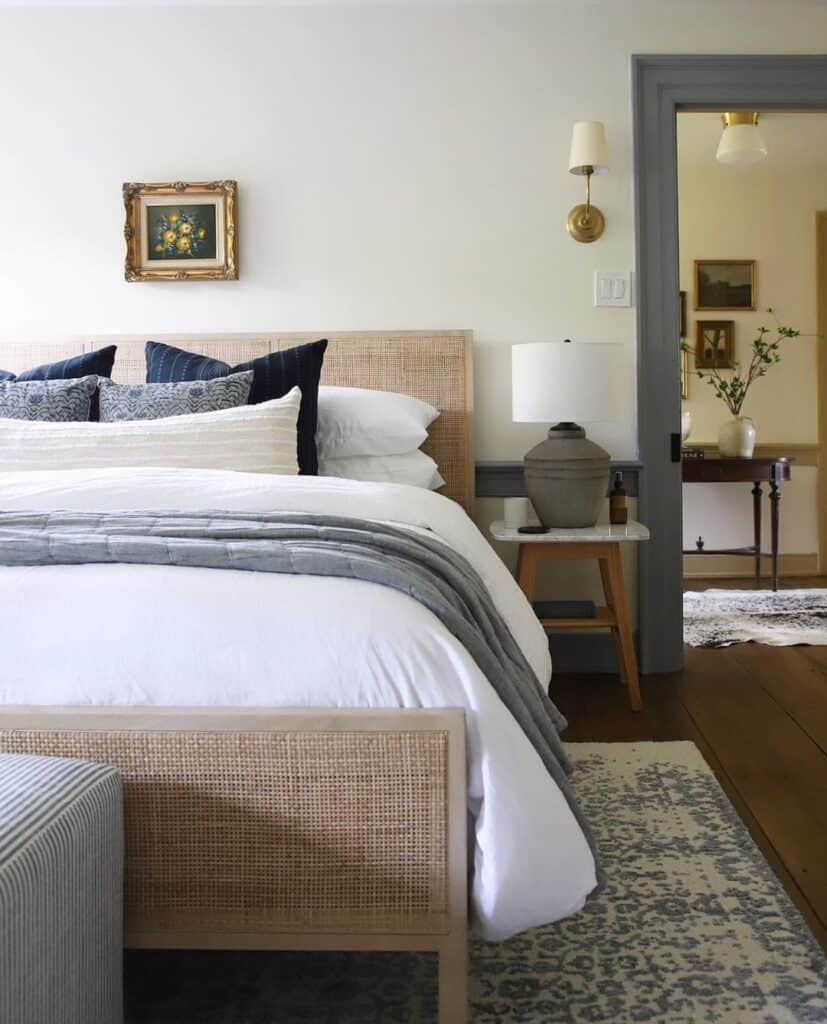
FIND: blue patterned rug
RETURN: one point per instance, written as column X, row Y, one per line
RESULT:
column 693, row 927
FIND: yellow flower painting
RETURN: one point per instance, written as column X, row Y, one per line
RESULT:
column 182, row 232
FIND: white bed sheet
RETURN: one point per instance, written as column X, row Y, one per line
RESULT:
column 162, row 635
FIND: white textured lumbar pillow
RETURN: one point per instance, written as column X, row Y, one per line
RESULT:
column 249, row 438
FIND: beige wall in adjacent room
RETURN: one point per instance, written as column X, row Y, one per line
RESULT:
column 764, row 212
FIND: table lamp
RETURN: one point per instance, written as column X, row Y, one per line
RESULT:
column 566, row 476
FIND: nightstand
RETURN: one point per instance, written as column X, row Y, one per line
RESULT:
column 601, row 542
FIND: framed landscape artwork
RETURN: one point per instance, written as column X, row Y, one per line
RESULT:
column 181, row 231
column 725, row 284
column 714, row 344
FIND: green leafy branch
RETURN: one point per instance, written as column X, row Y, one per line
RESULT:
column 765, row 352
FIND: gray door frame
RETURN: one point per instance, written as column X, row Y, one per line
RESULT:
column 661, row 85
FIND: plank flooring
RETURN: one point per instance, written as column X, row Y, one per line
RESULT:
column 758, row 714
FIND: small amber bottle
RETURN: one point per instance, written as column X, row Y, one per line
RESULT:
column 618, row 502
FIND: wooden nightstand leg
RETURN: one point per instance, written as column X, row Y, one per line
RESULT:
column 624, row 641
column 608, row 593
column 527, row 569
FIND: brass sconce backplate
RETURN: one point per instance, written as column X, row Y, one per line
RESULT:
column 585, row 223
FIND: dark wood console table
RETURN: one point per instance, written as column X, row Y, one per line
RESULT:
column 756, row 471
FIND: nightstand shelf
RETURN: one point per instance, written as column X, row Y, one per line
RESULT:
column 602, row 617
column 601, row 543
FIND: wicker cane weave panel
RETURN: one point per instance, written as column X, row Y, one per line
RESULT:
column 284, row 831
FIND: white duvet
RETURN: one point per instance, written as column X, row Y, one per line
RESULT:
column 161, row 635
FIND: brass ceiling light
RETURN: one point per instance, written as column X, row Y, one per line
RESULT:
column 741, row 140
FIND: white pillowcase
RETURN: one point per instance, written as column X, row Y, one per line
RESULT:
column 359, row 421
column 414, row 468
column 249, row 438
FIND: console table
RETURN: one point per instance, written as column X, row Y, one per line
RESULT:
column 773, row 471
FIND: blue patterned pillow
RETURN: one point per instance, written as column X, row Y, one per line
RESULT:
column 54, row 401
column 273, row 376
column 99, row 363
column 157, row 401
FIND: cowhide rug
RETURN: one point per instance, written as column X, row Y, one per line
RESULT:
column 718, row 618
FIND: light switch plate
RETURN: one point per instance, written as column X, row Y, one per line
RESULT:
column 612, row 289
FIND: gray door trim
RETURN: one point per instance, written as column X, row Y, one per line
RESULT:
column 661, row 84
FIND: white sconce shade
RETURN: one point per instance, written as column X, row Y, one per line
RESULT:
column 741, row 140
column 589, row 152
column 565, row 380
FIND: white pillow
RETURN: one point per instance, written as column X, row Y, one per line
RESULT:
column 249, row 438
column 358, row 421
column 414, row 468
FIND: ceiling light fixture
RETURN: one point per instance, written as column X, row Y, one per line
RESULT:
column 741, row 141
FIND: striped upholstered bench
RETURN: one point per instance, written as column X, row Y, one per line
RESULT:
column 61, row 880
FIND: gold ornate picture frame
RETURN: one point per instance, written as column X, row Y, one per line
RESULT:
column 181, row 231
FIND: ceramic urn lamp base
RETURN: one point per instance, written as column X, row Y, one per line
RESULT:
column 567, row 477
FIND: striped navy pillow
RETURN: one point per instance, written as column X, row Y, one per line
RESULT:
column 273, row 376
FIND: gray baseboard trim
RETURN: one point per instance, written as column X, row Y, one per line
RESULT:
column 505, row 479
column 583, row 652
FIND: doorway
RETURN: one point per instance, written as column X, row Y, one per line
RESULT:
column 662, row 85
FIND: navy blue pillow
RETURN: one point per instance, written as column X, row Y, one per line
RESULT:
column 99, row 363
column 273, row 376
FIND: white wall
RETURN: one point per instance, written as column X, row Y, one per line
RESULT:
column 398, row 166
column 764, row 212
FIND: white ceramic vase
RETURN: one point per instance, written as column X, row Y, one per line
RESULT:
column 686, row 424
column 736, row 438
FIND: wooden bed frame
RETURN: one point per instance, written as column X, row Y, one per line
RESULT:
column 281, row 828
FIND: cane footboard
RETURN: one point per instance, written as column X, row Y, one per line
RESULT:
column 291, row 829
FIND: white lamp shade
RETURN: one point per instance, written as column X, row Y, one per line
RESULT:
column 741, row 144
column 588, row 148
column 566, row 381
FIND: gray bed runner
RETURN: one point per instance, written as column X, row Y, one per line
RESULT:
column 316, row 545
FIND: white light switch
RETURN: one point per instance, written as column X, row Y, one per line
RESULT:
column 612, row 289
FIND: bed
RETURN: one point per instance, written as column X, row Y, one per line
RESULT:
column 303, row 778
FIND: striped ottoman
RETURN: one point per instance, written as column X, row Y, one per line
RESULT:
column 61, row 892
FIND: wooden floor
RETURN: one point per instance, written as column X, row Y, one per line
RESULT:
column 759, row 716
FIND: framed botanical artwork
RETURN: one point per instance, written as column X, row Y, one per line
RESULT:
column 181, row 231
column 714, row 344
column 725, row 284
column 684, row 373
column 684, row 354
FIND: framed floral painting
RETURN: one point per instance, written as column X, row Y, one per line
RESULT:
column 181, row 231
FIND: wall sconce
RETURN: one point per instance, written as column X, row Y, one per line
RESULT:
column 589, row 155
column 741, row 140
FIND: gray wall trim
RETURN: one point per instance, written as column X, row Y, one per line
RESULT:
column 661, row 84
column 505, row 479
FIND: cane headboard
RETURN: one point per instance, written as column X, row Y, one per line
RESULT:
column 435, row 366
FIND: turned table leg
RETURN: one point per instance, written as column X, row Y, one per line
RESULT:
column 756, row 520
column 775, row 501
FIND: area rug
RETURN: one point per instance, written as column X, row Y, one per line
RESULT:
column 718, row 618
column 692, row 927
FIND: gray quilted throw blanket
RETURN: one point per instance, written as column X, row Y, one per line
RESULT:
column 316, row 545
